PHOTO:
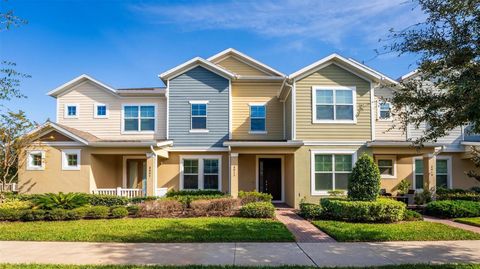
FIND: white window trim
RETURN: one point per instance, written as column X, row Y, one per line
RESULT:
column 95, row 111
column 334, row 88
column 65, row 111
column 29, row 160
column 139, row 118
column 449, row 167
column 415, row 174
column 378, row 110
column 313, row 192
column 199, row 102
column 250, row 116
column 201, row 175
column 65, row 165
column 394, row 165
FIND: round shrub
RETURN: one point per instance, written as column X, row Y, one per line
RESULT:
column 133, row 210
column 254, row 196
column 9, row 214
column 119, row 212
column 137, row 200
column 77, row 213
column 381, row 210
column 217, row 207
column 453, row 209
column 258, row 210
column 364, row 182
column 310, row 211
column 97, row 212
column 106, row 200
column 56, row 214
column 33, row 215
column 411, row 215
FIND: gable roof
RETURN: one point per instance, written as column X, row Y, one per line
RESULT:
column 246, row 59
column 409, row 75
column 76, row 81
column 192, row 63
column 352, row 65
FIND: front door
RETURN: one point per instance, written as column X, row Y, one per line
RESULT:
column 136, row 174
column 270, row 177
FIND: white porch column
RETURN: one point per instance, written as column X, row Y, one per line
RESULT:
column 151, row 174
column 234, row 175
column 429, row 172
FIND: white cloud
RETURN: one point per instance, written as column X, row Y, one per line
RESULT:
column 327, row 21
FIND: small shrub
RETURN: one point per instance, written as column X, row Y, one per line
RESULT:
column 475, row 189
column 423, row 197
column 56, row 214
column 217, row 207
column 336, row 193
column 457, row 194
column 165, row 207
column 137, row 200
column 106, row 200
column 403, row 187
column 186, row 200
column 8, row 214
column 310, row 211
column 97, row 212
column 32, row 215
column 77, row 213
column 173, row 193
column 364, row 182
column 133, row 210
column 411, row 215
column 254, row 196
column 382, row 210
column 453, row 209
column 119, row 212
column 13, row 203
column 61, row 200
column 258, row 210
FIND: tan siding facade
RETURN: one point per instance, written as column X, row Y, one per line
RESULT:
column 383, row 128
column 244, row 93
column 332, row 75
column 288, row 117
column 240, row 68
column 87, row 94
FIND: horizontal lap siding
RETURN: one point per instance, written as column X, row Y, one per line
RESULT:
column 452, row 140
column 245, row 93
column 383, row 129
column 288, row 117
column 240, row 68
column 332, row 75
column 87, row 94
column 198, row 84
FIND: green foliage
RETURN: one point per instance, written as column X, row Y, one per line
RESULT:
column 381, row 210
column 423, row 197
column 336, row 193
column 403, row 187
column 9, row 214
column 133, row 210
column 411, row 215
column 119, row 212
column 106, row 200
column 457, row 194
column 254, row 196
column 137, row 200
column 364, row 182
column 61, row 200
column 310, row 211
column 56, row 214
column 453, row 209
column 10, row 203
column 469, row 221
column 32, row 215
column 97, row 212
column 475, row 189
column 258, row 210
column 172, row 193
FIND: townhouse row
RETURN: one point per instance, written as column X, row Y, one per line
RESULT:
column 232, row 123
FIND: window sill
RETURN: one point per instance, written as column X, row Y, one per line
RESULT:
column 35, row 168
column 100, row 117
column 334, row 122
column 70, row 117
column 258, row 132
column 388, row 177
column 387, row 120
column 137, row 132
column 199, row 131
column 71, row 168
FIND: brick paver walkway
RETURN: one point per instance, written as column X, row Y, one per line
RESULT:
column 453, row 224
column 303, row 230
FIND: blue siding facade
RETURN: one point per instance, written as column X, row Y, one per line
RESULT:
column 198, row 84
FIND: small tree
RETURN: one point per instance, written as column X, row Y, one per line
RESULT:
column 364, row 182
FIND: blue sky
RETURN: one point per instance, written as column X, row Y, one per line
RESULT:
column 128, row 43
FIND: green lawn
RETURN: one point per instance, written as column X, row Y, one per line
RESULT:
column 411, row 266
column 150, row 230
column 471, row 221
column 403, row 231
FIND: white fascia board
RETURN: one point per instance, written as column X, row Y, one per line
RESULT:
column 59, row 129
column 263, row 144
column 245, row 57
column 55, row 92
column 408, row 75
column 197, row 61
column 384, row 77
column 123, row 144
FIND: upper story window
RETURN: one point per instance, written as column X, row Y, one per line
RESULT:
column 71, row 159
column 100, row 110
column 258, row 118
column 36, row 160
column 384, row 111
column 139, row 118
column 198, row 114
column 334, row 104
column 71, row 111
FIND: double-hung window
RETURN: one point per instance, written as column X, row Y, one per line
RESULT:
column 386, row 165
column 200, row 172
column 198, row 116
column 36, row 160
column 442, row 171
column 384, row 111
column 334, row 104
column 139, row 118
column 71, row 111
column 71, row 159
column 258, row 118
column 100, row 110
column 418, row 170
column 330, row 171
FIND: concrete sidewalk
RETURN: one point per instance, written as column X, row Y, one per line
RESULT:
column 313, row 254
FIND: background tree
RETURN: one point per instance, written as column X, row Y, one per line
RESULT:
column 445, row 92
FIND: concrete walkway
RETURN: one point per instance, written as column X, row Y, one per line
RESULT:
column 452, row 223
column 313, row 254
column 303, row 230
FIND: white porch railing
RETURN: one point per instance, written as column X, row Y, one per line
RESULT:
column 130, row 193
column 8, row 187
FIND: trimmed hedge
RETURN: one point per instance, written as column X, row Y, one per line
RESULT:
column 119, row 212
column 453, row 209
column 106, row 200
column 457, row 194
column 194, row 193
column 411, row 215
column 310, row 211
column 381, row 210
column 258, row 210
column 254, row 196
column 97, row 212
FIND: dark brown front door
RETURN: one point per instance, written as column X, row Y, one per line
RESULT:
column 270, row 177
